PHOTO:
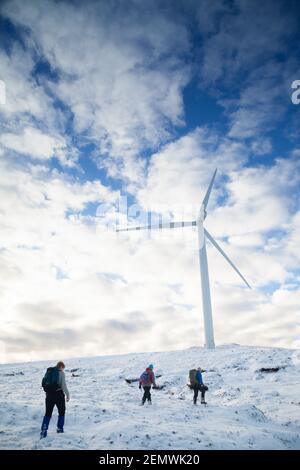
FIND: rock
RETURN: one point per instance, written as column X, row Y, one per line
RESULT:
column 271, row 369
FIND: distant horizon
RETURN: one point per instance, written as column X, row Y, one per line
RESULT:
column 220, row 346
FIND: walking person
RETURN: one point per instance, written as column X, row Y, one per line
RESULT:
column 196, row 384
column 54, row 384
column 147, row 379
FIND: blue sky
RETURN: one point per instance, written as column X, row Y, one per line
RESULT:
column 145, row 99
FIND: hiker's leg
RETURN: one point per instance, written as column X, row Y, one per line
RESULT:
column 203, row 390
column 61, row 403
column 61, row 406
column 44, row 427
column 145, row 395
column 196, row 391
column 49, row 402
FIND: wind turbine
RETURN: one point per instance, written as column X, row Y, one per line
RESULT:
column 203, row 234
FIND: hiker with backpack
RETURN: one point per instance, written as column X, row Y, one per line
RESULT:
column 146, row 380
column 196, row 384
column 54, row 384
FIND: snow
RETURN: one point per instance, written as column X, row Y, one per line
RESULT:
column 247, row 409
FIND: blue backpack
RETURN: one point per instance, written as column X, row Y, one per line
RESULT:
column 144, row 378
column 51, row 379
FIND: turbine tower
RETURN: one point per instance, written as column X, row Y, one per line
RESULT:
column 203, row 234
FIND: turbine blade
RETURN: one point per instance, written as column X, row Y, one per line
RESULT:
column 158, row 226
column 206, row 198
column 213, row 241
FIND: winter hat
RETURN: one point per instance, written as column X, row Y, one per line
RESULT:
column 151, row 366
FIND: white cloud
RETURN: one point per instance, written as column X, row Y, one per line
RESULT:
column 23, row 95
column 179, row 172
column 33, row 143
column 124, row 83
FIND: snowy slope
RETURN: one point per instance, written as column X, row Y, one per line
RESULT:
column 247, row 409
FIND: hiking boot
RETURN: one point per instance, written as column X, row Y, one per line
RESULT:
column 203, row 403
column 60, row 424
column 44, row 428
column 59, row 431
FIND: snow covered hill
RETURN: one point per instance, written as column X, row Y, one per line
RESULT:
column 248, row 408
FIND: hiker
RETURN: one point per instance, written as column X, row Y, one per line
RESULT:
column 196, row 384
column 54, row 384
column 146, row 380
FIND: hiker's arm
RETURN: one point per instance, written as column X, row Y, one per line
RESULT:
column 64, row 386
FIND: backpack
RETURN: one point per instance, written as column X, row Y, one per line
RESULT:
column 144, row 379
column 51, row 379
column 192, row 377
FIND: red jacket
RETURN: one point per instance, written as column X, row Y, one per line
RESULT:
column 147, row 378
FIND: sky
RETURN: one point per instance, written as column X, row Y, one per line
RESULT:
column 113, row 109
